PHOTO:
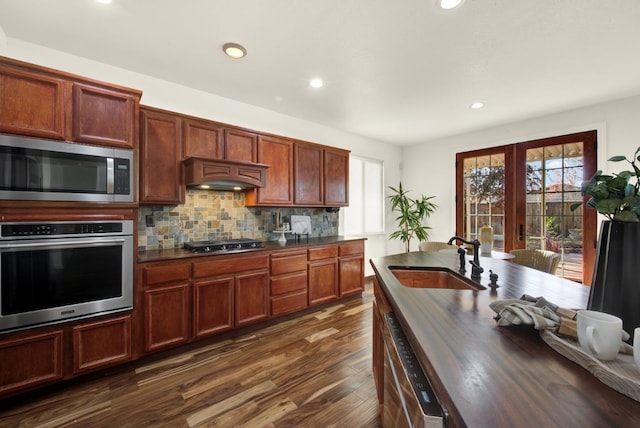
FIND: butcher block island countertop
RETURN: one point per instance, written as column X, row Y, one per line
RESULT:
column 490, row 376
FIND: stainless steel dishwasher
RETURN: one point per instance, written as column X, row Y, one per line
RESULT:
column 409, row 400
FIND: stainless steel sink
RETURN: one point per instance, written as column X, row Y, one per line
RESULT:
column 421, row 277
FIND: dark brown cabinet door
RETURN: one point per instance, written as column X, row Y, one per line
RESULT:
column 102, row 343
column 351, row 275
column 33, row 360
column 202, row 139
column 278, row 154
column 103, row 116
column 166, row 312
column 323, row 281
column 252, row 297
column 31, row 104
column 240, row 145
column 307, row 173
column 160, row 158
column 336, row 178
column 213, row 306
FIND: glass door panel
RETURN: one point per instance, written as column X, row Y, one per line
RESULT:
column 553, row 177
column 484, row 196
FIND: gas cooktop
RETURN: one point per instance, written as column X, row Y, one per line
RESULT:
column 222, row 246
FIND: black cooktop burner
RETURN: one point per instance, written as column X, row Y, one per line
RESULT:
column 229, row 245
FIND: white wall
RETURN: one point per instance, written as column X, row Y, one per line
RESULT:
column 173, row 97
column 429, row 167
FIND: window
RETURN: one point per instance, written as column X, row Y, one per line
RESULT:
column 364, row 215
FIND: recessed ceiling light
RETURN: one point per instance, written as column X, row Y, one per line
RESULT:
column 234, row 50
column 316, row 83
column 104, row 1
column 449, row 4
column 477, row 105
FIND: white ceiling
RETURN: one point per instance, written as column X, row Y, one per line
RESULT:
column 399, row 71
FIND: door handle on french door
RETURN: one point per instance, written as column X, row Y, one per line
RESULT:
column 521, row 232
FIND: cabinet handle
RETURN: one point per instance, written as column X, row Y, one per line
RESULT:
column 521, row 232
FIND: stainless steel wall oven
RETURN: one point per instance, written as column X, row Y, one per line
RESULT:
column 56, row 271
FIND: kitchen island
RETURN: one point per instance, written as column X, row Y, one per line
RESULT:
column 490, row 376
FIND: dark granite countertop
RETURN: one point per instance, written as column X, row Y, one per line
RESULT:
column 490, row 376
column 180, row 253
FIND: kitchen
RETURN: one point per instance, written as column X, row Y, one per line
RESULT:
column 615, row 121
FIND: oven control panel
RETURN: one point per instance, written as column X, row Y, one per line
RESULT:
column 57, row 229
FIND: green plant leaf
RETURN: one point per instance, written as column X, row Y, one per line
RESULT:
column 617, row 158
column 628, row 216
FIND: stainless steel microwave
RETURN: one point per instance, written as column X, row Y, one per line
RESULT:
column 42, row 170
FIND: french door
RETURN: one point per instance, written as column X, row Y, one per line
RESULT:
column 524, row 191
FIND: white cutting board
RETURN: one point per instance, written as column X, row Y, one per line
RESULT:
column 301, row 224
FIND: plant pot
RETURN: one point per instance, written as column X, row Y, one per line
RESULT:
column 615, row 288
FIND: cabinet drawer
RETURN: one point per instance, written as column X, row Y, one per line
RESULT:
column 230, row 265
column 351, row 248
column 290, row 303
column 289, row 283
column 292, row 262
column 167, row 273
column 319, row 253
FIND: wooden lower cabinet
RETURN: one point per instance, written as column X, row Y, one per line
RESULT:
column 323, row 281
column 167, row 313
column 101, row 343
column 288, row 281
column 30, row 360
column 351, row 268
column 213, row 303
column 252, row 297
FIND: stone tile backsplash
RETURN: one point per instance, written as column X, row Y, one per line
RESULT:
column 215, row 215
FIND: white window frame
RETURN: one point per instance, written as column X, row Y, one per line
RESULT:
column 361, row 191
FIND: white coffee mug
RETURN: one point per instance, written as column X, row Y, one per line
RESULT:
column 636, row 346
column 599, row 334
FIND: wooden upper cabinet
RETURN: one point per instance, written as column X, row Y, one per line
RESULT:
column 336, row 177
column 278, row 154
column 41, row 102
column 160, row 158
column 307, row 172
column 240, row 145
column 104, row 116
column 31, row 103
column 203, row 139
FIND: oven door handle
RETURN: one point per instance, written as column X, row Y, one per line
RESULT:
column 52, row 243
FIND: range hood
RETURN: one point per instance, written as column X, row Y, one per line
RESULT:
column 220, row 174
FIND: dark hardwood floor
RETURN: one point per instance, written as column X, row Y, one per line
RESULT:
column 310, row 371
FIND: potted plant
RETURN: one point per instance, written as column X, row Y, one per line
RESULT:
column 412, row 213
column 614, row 287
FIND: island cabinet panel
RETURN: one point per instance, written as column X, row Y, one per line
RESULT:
column 278, row 154
column 380, row 308
column 240, row 145
column 351, row 268
column 213, row 304
column 336, row 177
column 252, row 297
column 31, row 103
column 160, row 158
column 31, row 360
column 288, row 282
column 104, row 116
column 308, row 174
column 101, row 343
column 203, row 139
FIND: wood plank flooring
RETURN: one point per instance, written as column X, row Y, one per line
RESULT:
column 311, row 371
